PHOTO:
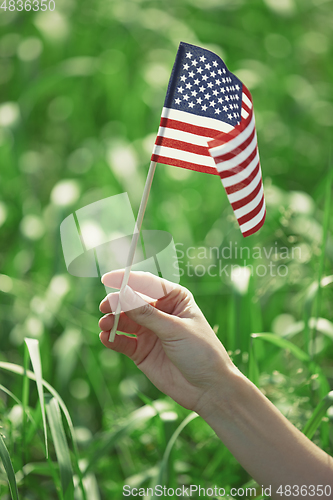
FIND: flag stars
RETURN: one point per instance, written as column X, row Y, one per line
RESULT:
column 235, row 115
column 231, row 106
column 207, row 66
column 199, row 70
column 194, row 93
column 204, row 107
column 215, row 64
column 185, row 66
column 177, row 101
column 218, row 82
column 180, row 89
column 219, row 72
column 194, row 62
column 196, row 82
column 230, row 117
column 222, row 90
column 205, row 78
column 220, row 100
column 199, row 100
column 202, row 89
column 188, row 86
column 191, row 104
column 186, row 97
column 212, row 103
column 207, row 96
column 217, row 111
column 210, row 85
column 191, row 74
column 215, row 92
column 189, row 55
column 225, row 108
column 183, row 78
column 227, row 98
column 212, row 74
column 237, row 87
column 202, row 59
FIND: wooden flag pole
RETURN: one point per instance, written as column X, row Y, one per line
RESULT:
column 134, row 243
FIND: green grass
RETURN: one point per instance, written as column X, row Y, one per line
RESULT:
column 85, row 96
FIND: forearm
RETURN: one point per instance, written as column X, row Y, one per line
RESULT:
column 264, row 442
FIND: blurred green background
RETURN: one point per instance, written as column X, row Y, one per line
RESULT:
column 81, row 91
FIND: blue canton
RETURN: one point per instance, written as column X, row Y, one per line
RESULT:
column 201, row 84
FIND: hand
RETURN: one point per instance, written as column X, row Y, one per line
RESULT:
column 174, row 345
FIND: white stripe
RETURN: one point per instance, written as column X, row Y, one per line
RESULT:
column 242, row 193
column 244, row 113
column 253, row 222
column 178, row 154
column 200, row 121
column 237, row 160
column 247, row 101
column 240, row 212
column 179, row 135
column 234, row 143
column 235, row 179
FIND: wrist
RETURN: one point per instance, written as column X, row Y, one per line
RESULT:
column 221, row 400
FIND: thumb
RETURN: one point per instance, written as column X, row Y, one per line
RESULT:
column 145, row 314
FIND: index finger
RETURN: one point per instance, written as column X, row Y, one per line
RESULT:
column 142, row 282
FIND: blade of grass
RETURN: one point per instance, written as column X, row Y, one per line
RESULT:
column 61, row 447
column 25, row 402
column 164, row 463
column 20, row 371
column 326, row 221
column 33, row 347
column 283, row 344
column 136, row 418
column 316, row 417
column 7, row 463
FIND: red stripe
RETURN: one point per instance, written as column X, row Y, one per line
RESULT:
column 252, row 214
column 183, row 146
column 184, row 164
column 244, row 201
column 243, row 183
column 247, row 93
column 236, row 151
column 238, row 168
column 186, row 127
column 255, row 228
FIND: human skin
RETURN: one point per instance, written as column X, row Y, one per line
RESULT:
column 178, row 351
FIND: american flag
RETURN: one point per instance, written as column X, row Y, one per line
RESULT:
column 207, row 125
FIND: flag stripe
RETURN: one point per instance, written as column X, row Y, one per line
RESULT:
column 179, row 135
column 246, row 199
column 236, row 151
column 242, row 173
column 249, row 216
column 183, row 146
column 206, row 161
column 185, row 127
column 245, row 182
column 183, row 116
column 234, row 143
column 244, row 193
column 248, row 228
column 251, row 204
column 184, row 164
